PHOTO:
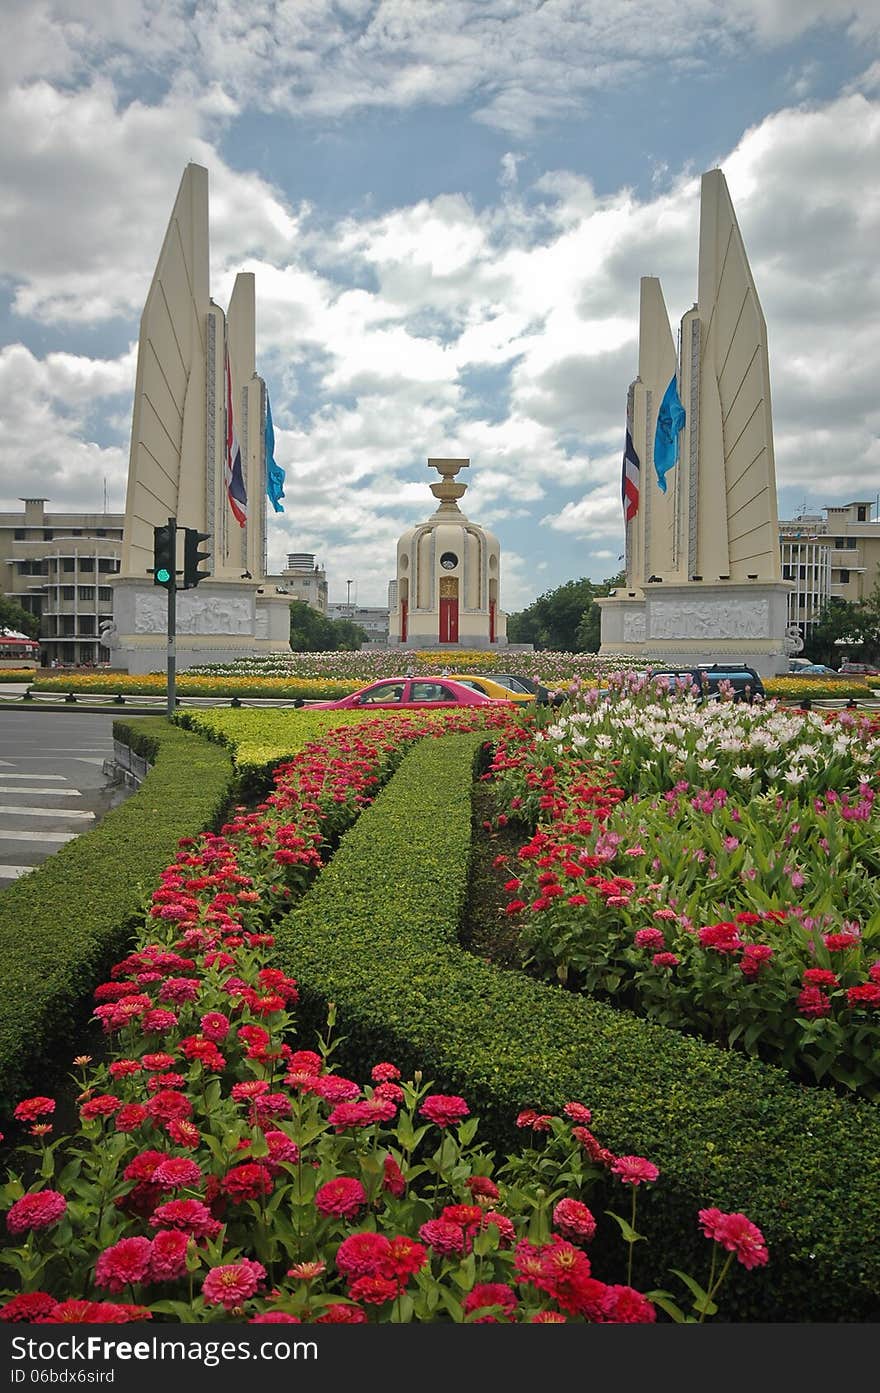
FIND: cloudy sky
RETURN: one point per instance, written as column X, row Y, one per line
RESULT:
column 448, row 205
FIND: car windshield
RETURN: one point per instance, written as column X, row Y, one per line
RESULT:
column 512, row 683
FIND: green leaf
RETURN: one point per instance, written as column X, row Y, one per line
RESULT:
column 626, row 1229
column 701, row 1297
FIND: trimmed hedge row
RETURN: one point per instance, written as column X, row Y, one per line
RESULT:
column 62, row 925
column 378, row 935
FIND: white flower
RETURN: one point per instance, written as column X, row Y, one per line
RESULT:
column 743, row 771
column 795, row 775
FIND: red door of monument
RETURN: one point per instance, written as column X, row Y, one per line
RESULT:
column 449, row 619
column 403, row 621
column 491, row 621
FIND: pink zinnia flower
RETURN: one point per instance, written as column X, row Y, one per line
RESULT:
column 633, row 1170
column 362, row 1254
column 384, row 1073
column 130, row 1117
column 29, row 1306
column 233, row 1284
column 737, row 1234
column 343, row 1196
column 649, row 938
column 449, row 1240
column 190, row 1216
column 126, row 1262
column 444, row 1109
column 578, row 1113
column 247, row 1182
column 38, row 1210
column 175, row 1172
column 574, row 1219
column 487, row 1294
column 168, row 1255
column 626, row 1306
column 812, row 1003
column 375, row 1290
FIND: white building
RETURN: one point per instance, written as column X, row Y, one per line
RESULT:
column 832, row 556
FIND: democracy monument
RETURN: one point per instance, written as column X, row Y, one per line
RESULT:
column 198, row 454
column 703, row 575
column 448, row 576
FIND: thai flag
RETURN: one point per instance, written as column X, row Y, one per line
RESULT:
column 630, row 482
column 235, row 488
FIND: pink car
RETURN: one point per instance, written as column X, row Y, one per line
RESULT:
column 413, row 693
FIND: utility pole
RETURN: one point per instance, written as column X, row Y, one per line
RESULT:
column 348, row 598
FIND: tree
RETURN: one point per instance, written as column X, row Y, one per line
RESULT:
column 12, row 616
column 839, row 619
column 588, row 635
column 565, row 619
column 313, row 632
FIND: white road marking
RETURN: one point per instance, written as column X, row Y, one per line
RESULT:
column 56, row 792
column 62, row 778
column 46, row 812
column 13, row 872
column 11, row 836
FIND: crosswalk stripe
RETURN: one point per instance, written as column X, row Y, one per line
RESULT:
column 8, row 835
column 62, row 778
column 56, row 792
column 14, row 872
column 48, row 812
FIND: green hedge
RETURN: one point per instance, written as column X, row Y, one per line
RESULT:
column 378, row 934
column 62, row 925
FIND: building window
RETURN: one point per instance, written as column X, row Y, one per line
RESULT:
column 68, row 592
column 101, row 532
column 844, row 577
column 786, row 573
column 862, row 514
column 802, row 572
column 68, row 563
column 19, row 534
column 104, row 592
column 851, row 543
column 86, row 592
column 47, row 534
column 87, row 563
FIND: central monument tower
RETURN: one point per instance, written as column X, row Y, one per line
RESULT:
column 448, row 576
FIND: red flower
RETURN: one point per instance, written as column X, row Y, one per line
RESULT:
column 626, row 1306
column 274, row 1318
column 334, row 1089
column 574, row 1219
column 449, row 1240
column 214, row 1026
column 190, row 1216
column 820, row 977
column 281, row 1149
column 130, row 1117
column 665, row 960
column 393, row 1181
column 649, row 938
column 157, row 1061
column 813, row 1003
column 374, row 1290
column 487, row 1294
column 142, row 1166
column 363, row 1114
column 343, row 1196
column 124, row 1068
column 578, row 1113
column 405, row 1258
column 169, row 1106
column 250, row 1089
column 232, row 1284
column 868, row 994
column 305, row 1061
column 32, row 1108
column 632, row 1170
column 38, row 1210
column 176, row 1172
column 168, row 1252
column 737, row 1234
column 506, row 1231
column 247, row 1182
column 28, row 1306
column 102, row 1105
column 468, row 1216
column 481, row 1187
column 182, row 1133
column 362, row 1255
column 94, row 1313
column 384, row 1073
column 341, row 1313
column 126, row 1262
column 838, row 943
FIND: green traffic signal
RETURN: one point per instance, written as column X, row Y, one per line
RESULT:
column 165, row 554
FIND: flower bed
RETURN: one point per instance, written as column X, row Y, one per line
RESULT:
column 734, row 892
column 218, row 1174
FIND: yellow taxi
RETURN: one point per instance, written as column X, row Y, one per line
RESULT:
column 480, row 683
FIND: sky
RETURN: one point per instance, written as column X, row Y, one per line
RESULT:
column 447, row 205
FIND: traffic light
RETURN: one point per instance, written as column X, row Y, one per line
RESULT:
column 164, row 555
column 192, row 557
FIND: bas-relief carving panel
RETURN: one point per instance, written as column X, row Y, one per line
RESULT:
column 634, row 630
column 194, row 615
column 709, row 618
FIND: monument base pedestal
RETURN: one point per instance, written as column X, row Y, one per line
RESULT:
column 218, row 622
column 699, row 622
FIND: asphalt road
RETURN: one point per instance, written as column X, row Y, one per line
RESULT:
column 52, row 783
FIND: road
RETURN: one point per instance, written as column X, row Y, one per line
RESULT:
column 52, row 783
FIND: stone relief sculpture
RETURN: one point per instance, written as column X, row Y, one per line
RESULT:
column 710, row 618
column 195, row 614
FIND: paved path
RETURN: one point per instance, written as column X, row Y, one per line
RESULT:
column 52, row 784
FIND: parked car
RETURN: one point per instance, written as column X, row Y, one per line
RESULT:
column 707, row 678
column 517, row 682
column 819, row 670
column 413, row 693
column 492, row 687
column 859, row 670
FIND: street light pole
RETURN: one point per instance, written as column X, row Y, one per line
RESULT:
column 348, row 598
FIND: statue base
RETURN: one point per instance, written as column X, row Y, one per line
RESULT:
column 698, row 622
column 218, row 622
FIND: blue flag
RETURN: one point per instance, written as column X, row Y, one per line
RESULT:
column 274, row 472
column 670, row 424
